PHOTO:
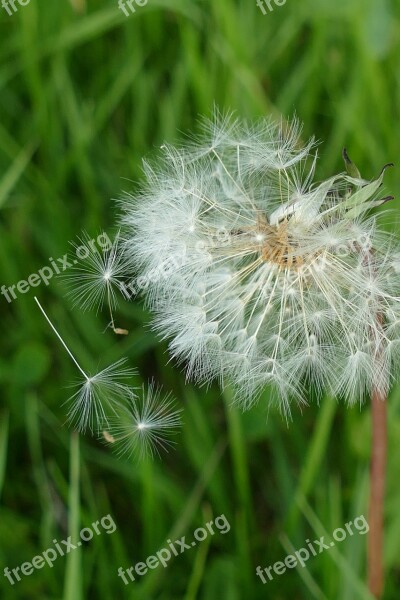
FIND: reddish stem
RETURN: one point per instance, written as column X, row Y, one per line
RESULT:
column 377, row 493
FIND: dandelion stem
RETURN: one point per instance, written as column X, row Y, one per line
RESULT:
column 60, row 338
column 377, row 492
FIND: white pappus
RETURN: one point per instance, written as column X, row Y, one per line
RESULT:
column 280, row 281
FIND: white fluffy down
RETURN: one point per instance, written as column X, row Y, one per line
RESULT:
column 263, row 277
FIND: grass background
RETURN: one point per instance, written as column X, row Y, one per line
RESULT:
column 85, row 92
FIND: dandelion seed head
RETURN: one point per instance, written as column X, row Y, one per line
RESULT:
column 278, row 279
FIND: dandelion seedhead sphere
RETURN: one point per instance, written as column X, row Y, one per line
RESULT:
column 260, row 277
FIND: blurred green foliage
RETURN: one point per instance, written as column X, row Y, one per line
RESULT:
column 85, row 93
